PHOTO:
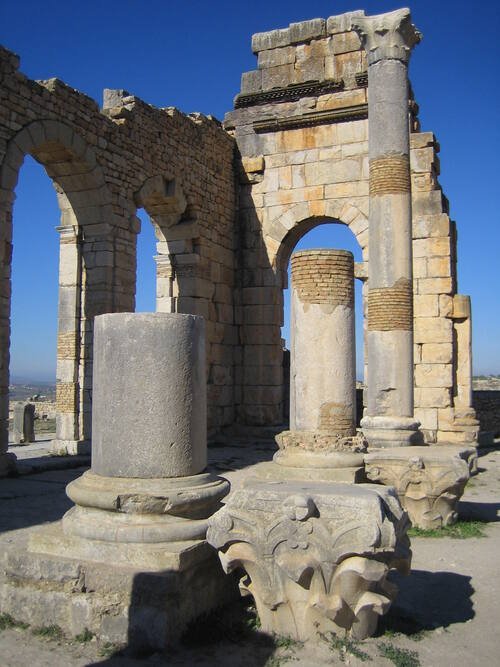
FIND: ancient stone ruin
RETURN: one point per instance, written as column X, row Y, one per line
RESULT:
column 312, row 531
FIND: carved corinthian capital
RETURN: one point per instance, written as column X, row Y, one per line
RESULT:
column 315, row 555
column 389, row 36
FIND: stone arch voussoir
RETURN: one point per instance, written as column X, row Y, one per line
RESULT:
column 283, row 231
column 69, row 162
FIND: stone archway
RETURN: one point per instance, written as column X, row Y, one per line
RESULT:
column 262, row 303
column 163, row 199
column 86, row 262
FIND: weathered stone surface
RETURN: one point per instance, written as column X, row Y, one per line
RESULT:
column 144, row 601
column 141, row 362
column 315, row 555
column 429, row 481
column 342, row 22
column 307, row 30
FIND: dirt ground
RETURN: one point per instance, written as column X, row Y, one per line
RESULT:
column 446, row 614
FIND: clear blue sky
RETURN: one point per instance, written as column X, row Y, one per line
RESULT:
column 191, row 55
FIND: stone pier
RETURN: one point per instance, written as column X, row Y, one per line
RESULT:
column 323, row 368
column 132, row 552
column 388, row 40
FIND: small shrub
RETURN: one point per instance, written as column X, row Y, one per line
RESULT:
column 84, row 636
column 6, row 622
column 108, row 649
column 53, row 632
column 400, row 657
column 345, row 646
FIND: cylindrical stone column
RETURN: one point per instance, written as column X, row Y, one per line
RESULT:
column 149, row 428
column 322, row 364
column 149, row 395
column 322, row 433
column 388, row 422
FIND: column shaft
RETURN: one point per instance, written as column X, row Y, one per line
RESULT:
column 388, row 39
column 322, row 351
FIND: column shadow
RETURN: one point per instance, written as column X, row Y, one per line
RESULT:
column 428, row 600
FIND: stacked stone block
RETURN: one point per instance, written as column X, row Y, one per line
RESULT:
column 443, row 377
column 300, row 164
column 304, row 161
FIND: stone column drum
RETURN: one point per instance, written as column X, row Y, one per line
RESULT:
column 322, row 367
column 388, row 40
column 149, row 433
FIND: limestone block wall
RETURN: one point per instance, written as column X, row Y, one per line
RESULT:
column 300, row 123
column 104, row 164
column 443, row 378
column 304, row 161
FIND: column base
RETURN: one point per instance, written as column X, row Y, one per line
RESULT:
column 138, row 596
column 142, row 511
column 315, row 555
column 130, row 562
column 321, row 451
column 429, row 481
column 7, row 464
column 391, row 432
column 60, row 447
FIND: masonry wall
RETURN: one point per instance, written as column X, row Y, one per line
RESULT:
column 104, row 165
column 300, row 123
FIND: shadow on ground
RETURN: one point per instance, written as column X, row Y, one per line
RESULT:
column 478, row 511
column 429, row 600
column 34, row 499
column 231, row 632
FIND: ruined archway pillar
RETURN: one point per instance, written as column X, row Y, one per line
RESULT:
column 7, row 459
column 67, row 438
column 388, row 40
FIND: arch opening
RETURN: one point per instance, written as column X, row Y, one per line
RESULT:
column 146, row 269
column 326, row 234
column 85, row 267
column 33, row 339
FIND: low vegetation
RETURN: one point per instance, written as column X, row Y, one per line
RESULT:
column 7, row 622
column 461, row 530
column 345, row 647
column 53, row 632
column 400, row 657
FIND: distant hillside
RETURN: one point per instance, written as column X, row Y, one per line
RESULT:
column 25, row 390
column 486, row 382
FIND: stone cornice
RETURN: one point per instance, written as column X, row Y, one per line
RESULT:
column 290, row 93
column 389, row 36
column 358, row 112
